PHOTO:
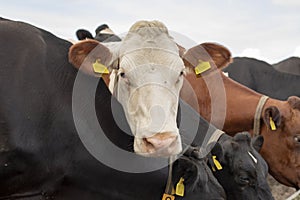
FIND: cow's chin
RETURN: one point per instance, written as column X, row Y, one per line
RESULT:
column 144, row 150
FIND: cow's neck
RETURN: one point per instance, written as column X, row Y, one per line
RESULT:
column 241, row 102
column 241, row 106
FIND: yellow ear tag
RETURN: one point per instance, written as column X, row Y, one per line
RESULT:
column 180, row 188
column 202, row 67
column 168, row 197
column 100, row 68
column 217, row 163
column 272, row 124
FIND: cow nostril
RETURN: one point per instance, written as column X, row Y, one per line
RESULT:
column 147, row 143
column 160, row 140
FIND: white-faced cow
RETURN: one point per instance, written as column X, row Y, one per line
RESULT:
column 192, row 168
column 149, row 76
column 41, row 154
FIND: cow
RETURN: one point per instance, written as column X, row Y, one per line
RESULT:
column 103, row 33
column 149, row 75
column 144, row 84
column 243, row 177
column 42, row 155
column 290, row 65
column 219, row 51
column 240, row 169
column 281, row 134
column 263, row 78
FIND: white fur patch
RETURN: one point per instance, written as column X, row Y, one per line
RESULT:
column 111, row 84
column 226, row 74
column 107, row 31
column 252, row 156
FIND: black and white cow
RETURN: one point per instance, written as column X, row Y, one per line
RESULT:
column 263, row 78
column 103, row 33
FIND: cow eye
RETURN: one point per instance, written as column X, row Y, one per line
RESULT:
column 183, row 72
column 121, row 73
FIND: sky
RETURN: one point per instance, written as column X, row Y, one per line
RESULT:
column 268, row 30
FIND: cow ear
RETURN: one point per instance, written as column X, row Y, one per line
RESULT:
column 272, row 117
column 217, row 55
column 217, row 151
column 294, row 102
column 257, row 142
column 86, row 53
column 83, row 34
column 186, row 168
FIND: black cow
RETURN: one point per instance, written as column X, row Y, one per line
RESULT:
column 290, row 65
column 244, row 171
column 41, row 154
column 263, row 78
column 103, row 33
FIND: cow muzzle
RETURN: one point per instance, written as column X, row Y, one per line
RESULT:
column 159, row 145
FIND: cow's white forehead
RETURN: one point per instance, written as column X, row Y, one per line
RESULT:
column 149, row 46
column 151, row 57
column 148, row 37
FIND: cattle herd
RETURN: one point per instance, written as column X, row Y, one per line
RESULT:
column 141, row 117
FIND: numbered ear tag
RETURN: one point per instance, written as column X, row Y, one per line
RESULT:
column 272, row 124
column 100, row 68
column 202, row 67
column 168, row 197
column 180, row 187
column 217, row 163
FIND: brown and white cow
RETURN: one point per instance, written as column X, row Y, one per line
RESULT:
column 281, row 148
column 149, row 76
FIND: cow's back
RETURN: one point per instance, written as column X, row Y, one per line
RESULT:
column 35, row 112
column 290, row 65
column 263, row 78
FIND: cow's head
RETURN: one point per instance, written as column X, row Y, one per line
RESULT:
column 244, row 171
column 199, row 181
column 282, row 138
column 149, row 75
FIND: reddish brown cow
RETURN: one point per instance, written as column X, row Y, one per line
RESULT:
column 281, row 148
